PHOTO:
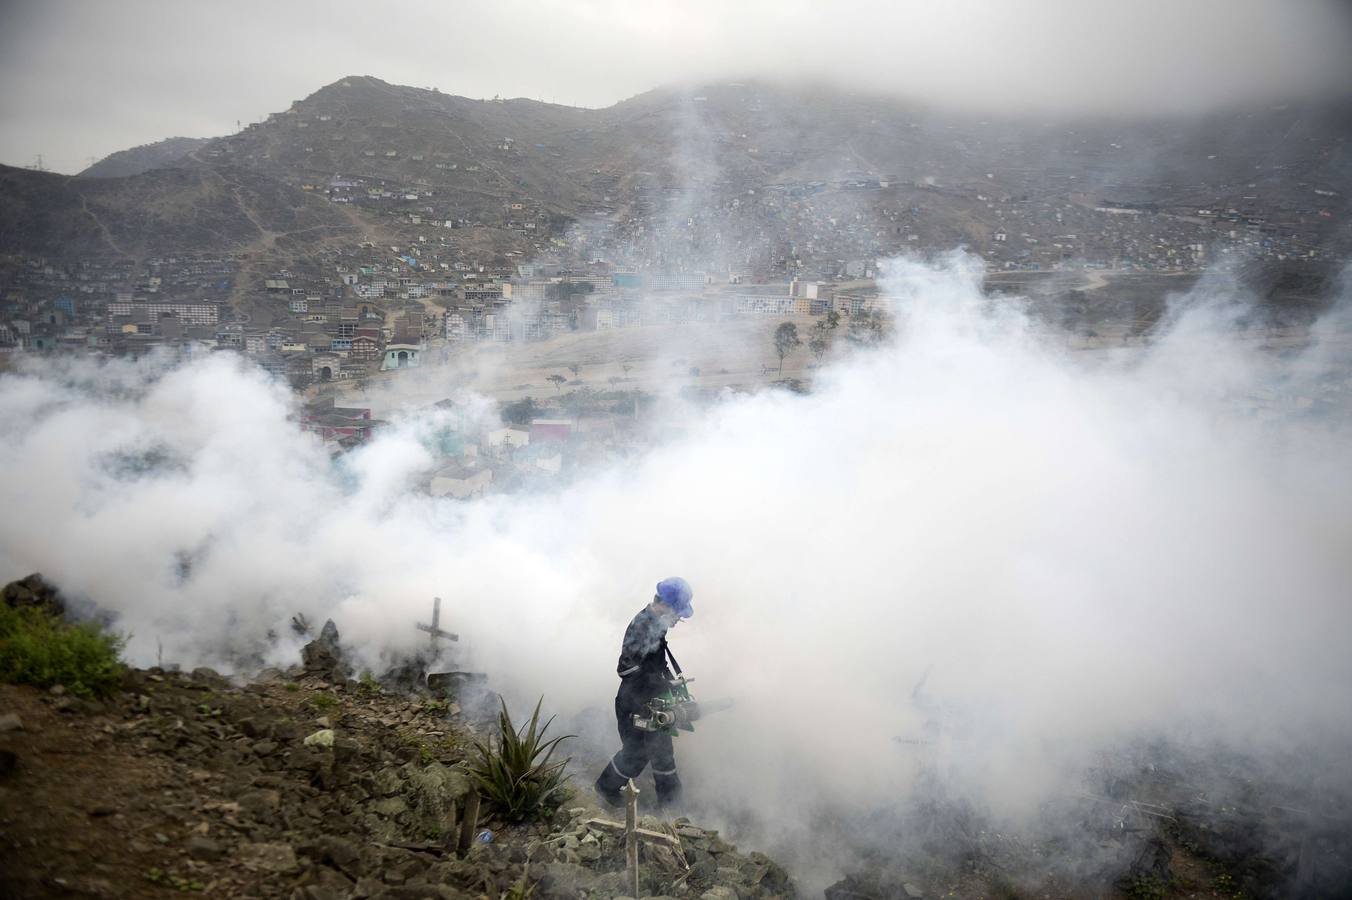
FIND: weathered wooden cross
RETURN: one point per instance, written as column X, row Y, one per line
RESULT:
column 434, row 630
column 633, row 834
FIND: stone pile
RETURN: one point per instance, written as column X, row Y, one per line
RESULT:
column 583, row 856
column 34, row 591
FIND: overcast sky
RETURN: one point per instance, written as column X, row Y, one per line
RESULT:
column 83, row 78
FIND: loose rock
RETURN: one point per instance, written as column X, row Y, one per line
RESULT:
column 321, row 738
column 269, row 857
column 261, row 804
column 204, row 848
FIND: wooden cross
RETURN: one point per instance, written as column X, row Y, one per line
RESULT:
column 434, row 630
column 468, row 823
column 633, row 834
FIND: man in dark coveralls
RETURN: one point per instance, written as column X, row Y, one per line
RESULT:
column 644, row 675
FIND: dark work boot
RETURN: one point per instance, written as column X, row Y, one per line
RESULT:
column 608, row 786
column 608, row 797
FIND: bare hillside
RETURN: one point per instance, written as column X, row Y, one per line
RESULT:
column 159, row 155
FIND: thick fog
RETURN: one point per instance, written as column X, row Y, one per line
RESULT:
column 1070, row 551
column 86, row 79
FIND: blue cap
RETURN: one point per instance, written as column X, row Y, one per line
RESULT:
column 676, row 593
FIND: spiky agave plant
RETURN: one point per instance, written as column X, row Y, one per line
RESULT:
column 512, row 776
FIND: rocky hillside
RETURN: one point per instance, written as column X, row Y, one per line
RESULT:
column 309, row 785
column 297, row 785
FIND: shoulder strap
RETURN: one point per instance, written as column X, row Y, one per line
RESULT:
column 674, row 664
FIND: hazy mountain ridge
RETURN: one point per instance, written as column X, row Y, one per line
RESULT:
column 161, row 211
column 677, row 152
column 765, row 134
column 137, row 160
column 769, row 133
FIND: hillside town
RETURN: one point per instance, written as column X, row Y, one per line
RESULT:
column 372, row 227
column 346, row 313
column 367, row 313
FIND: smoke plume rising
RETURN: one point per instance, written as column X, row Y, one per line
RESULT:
column 1065, row 552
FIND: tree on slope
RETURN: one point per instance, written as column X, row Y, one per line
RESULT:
column 786, row 339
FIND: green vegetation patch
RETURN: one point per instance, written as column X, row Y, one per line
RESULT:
column 40, row 649
column 321, row 702
column 515, row 775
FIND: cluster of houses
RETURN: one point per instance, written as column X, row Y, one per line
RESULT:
column 112, row 305
column 424, row 206
column 358, row 312
column 831, row 231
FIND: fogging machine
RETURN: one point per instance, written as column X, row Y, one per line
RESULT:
column 674, row 710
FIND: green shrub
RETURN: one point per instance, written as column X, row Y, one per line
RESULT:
column 513, row 777
column 41, row 649
column 320, row 702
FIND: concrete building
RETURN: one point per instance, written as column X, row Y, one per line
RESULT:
column 402, row 356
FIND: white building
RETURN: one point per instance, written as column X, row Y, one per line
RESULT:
column 511, row 436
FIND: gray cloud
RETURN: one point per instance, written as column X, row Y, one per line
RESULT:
column 84, row 79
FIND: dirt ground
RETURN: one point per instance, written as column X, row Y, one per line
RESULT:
column 161, row 790
column 101, row 806
column 87, row 812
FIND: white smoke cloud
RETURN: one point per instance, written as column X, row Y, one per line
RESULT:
column 1070, row 550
